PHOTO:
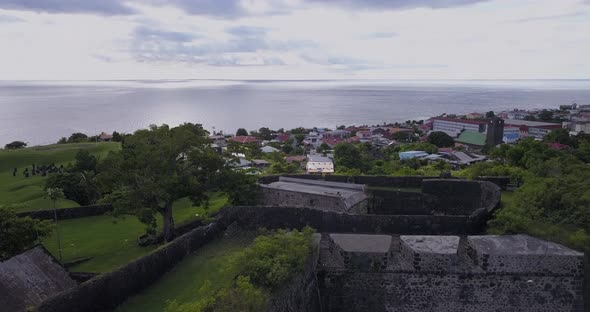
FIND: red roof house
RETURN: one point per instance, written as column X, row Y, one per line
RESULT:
column 244, row 139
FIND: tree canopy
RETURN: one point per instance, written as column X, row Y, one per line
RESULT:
column 242, row 132
column 157, row 166
column 440, row 139
column 15, row 145
column 18, row 234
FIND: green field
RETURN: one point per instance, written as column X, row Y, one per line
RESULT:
column 199, row 275
column 112, row 242
column 27, row 193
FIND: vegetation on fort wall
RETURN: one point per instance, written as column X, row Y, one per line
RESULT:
column 553, row 201
column 263, row 267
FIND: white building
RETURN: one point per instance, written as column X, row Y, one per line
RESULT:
column 454, row 126
column 319, row 164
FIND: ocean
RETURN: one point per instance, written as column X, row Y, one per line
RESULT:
column 40, row 112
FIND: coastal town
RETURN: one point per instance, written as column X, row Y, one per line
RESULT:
column 312, row 150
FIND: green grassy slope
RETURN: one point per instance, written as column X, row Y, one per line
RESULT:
column 199, row 275
column 112, row 242
column 27, row 193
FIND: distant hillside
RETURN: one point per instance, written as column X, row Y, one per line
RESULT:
column 27, row 193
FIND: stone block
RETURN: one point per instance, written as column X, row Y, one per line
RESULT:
column 429, row 253
column 523, row 254
column 362, row 252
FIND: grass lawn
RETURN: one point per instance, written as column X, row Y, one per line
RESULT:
column 112, row 242
column 199, row 275
column 27, row 193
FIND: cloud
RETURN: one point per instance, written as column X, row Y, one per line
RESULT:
column 548, row 17
column 219, row 8
column 102, row 7
column 10, row 19
column 247, row 45
column 381, row 35
column 247, row 31
column 396, row 4
column 144, row 33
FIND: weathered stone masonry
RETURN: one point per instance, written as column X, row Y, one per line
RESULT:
column 445, row 273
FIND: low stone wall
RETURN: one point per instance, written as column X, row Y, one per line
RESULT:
column 301, row 294
column 108, row 290
column 68, row 213
column 274, row 217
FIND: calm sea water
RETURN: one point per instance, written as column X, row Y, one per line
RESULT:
column 40, row 112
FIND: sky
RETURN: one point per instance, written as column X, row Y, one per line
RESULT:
column 294, row 39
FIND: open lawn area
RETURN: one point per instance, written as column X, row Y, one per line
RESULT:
column 27, row 193
column 199, row 275
column 112, row 242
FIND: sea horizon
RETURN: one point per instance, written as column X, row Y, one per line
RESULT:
column 35, row 110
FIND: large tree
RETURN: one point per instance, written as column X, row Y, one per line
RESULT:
column 15, row 145
column 156, row 167
column 440, row 139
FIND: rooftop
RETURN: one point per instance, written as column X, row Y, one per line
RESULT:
column 318, row 158
column 362, row 242
column 468, row 121
column 432, row 244
column 350, row 194
column 244, row 139
column 528, row 123
column 518, row 245
column 472, row 138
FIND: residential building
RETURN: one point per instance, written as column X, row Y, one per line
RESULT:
column 336, row 134
column 269, row 149
column 529, row 128
column 474, row 116
column 454, row 126
column 105, row 137
column 517, row 114
column 511, row 134
column 283, row 137
column 491, row 130
column 319, row 164
column 313, row 139
column 412, row 154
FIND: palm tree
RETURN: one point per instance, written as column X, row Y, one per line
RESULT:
column 54, row 194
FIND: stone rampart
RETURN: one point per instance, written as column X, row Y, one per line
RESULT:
column 445, row 273
column 68, row 213
column 400, row 203
column 106, row 291
column 274, row 217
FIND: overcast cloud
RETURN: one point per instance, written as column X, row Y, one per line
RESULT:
column 294, row 39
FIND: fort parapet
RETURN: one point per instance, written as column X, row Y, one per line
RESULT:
column 360, row 273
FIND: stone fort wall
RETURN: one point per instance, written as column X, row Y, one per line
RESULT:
column 274, row 217
column 454, row 292
column 437, row 196
column 445, row 273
